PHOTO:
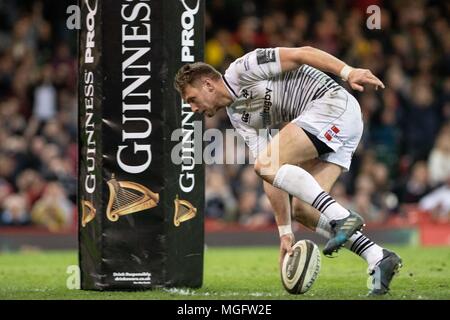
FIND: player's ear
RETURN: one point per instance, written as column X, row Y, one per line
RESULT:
column 209, row 84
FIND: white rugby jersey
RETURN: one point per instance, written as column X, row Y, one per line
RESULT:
column 264, row 95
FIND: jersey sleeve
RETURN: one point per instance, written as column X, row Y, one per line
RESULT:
column 256, row 140
column 257, row 65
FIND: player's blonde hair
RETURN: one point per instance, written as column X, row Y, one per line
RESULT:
column 191, row 72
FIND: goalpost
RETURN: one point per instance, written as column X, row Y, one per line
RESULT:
column 140, row 214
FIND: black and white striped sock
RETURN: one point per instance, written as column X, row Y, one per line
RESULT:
column 328, row 206
column 361, row 244
column 365, row 248
column 301, row 184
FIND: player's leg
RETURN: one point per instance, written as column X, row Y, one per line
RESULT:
column 358, row 243
column 277, row 166
column 326, row 174
column 382, row 263
column 332, row 122
column 304, row 213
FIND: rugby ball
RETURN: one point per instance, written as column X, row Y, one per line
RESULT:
column 300, row 270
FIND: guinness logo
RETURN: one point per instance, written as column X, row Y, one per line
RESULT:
column 184, row 211
column 88, row 212
column 126, row 197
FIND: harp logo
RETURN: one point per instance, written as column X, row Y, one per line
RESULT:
column 184, row 211
column 88, row 212
column 126, row 197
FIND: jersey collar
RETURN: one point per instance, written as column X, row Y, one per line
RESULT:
column 230, row 89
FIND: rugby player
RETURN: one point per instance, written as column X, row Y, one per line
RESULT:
column 268, row 87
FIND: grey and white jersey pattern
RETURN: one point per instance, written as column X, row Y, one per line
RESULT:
column 265, row 96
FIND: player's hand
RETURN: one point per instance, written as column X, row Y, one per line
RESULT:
column 287, row 241
column 357, row 78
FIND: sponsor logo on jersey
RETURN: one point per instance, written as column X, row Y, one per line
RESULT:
column 332, row 133
column 265, row 114
column 246, row 63
column 245, row 117
column 245, row 94
column 265, row 56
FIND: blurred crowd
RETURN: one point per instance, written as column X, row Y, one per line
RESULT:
column 404, row 155
column 403, row 158
column 38, row 116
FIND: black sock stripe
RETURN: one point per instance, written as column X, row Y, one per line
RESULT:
column 363, row 238
column 324, row 203
column 355, row 244
column 327, row 196
column 314, row 202
column 362, row 246
column 318, row 199
column 366, row 248
column 329, row 204
column 320, row 202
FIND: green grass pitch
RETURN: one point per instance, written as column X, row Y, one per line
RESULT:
column 237, row 273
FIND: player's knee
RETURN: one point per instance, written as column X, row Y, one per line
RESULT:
column 265, row 169
column 258, row 167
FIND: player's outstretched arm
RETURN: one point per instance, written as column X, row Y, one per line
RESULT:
column 292, row 58
column 279, row 200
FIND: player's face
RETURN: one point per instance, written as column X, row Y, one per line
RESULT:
column 202, row 98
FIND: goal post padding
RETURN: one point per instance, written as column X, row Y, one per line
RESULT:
column 140, row 212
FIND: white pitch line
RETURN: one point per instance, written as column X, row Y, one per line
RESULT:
column 187, row 292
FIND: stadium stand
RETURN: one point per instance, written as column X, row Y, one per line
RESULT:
column 400, row 176
column 404, row 152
